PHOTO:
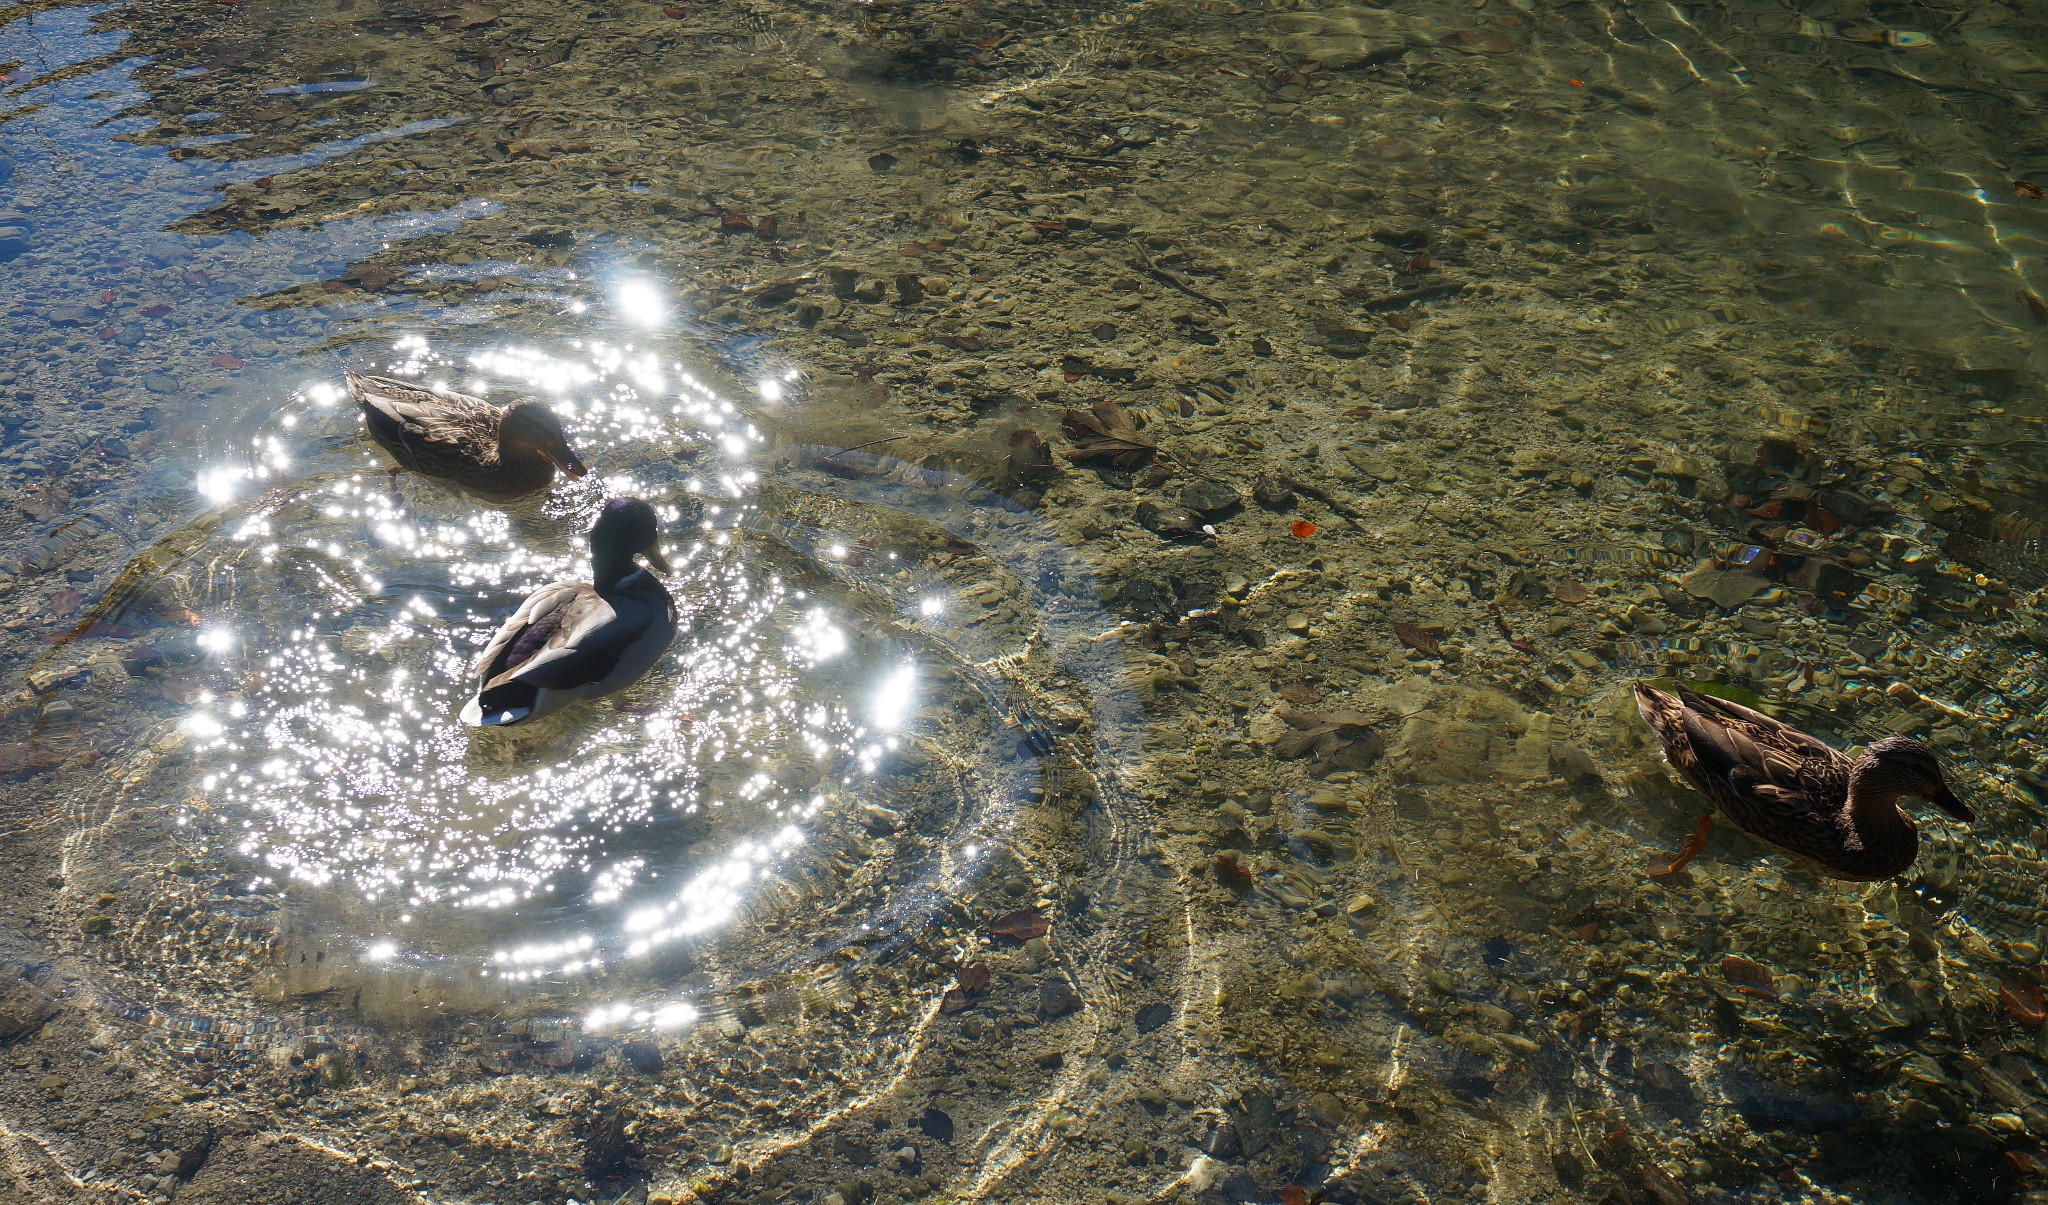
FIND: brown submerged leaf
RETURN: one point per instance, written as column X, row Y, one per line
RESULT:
column 1337, row 736
column 971, row 984
column 1299, row 693
column 1020, row 926
column 1744, row 973
column 1107, row 433
column 2022, row 1002
column 1417, row 639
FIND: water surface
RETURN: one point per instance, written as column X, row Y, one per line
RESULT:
column 1258, row 816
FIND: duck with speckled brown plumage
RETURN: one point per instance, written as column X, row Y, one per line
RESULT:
column 496, row 453
column 1836, row 815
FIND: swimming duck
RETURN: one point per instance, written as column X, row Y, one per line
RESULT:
column 495, row 453
column 580, row 640
column 1838, row 816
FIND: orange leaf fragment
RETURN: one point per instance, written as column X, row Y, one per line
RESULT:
column 155, row 311
column 1233, row 872
column 1570, row 591
column 1301, row 529
column 228, row 361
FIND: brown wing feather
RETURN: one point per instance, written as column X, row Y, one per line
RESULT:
column 428, row 430
column 1762, row 728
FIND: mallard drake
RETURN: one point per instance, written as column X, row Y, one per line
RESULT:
column 495, row 453
column 580, row 640
column 1793, row 792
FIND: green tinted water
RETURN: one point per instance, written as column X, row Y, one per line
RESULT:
column 1257, row 819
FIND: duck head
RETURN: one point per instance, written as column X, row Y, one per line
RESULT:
column 626, row 528
column 1900, row 765
column 530, row 425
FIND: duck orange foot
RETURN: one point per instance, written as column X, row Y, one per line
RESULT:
column 1665, row 865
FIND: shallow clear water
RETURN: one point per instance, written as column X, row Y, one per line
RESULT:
column 1253, row 811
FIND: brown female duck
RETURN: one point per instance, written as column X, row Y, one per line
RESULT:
column 1838, row 816
column 495, row 453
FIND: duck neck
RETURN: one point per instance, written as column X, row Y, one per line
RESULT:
column 512, row 450
column 610, row 566
column 1874, row 797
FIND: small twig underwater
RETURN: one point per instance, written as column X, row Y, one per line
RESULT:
column 869, row 444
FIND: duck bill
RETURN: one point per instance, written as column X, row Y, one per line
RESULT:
column 1946, row 800
column 567, row 464
column 657, row 560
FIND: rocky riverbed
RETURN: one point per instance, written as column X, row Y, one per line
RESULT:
column 1279, row 435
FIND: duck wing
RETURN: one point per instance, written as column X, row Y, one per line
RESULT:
column 562, row 636
column 434, row 421
column 1777, row 783
column 1760, row 728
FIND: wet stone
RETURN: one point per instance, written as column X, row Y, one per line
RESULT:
column 1171, row 522
column 936, row 1124
column 24, row 1007
column 643, row 1057
column 1147, row 592
column 1210, row 497
column 1273, row 493
column 1056, row 998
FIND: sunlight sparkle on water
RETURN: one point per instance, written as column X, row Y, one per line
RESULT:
column 534, row 368
column 640, row 302
column 894, row 700
column 220, row 485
